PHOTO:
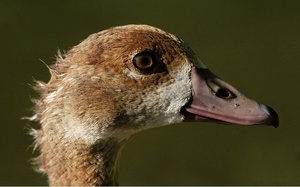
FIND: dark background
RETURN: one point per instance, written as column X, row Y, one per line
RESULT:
column 253, row 44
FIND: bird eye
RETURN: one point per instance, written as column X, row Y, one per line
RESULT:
column 143, row 61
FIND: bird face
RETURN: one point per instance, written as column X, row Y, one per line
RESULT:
column 135, row 77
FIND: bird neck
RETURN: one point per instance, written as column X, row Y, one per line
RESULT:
column 77, row 164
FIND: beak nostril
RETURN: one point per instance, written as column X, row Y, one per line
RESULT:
column 219, row 91
column 224, row 94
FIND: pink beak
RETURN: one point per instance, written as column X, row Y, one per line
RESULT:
column 215, row 100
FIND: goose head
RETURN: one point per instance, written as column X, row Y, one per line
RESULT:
column 135, row 77
column 124, row 80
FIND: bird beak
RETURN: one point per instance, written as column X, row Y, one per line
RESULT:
column 215, row 100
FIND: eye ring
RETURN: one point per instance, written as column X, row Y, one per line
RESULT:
column 143, row 61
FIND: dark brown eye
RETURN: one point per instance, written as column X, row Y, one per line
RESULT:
column 143, row 61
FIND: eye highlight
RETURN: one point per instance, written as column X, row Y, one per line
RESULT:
column 144, row 61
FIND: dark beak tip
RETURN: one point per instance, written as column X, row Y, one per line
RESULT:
column 273, row 118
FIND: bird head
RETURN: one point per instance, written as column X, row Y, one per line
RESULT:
column 134, row 77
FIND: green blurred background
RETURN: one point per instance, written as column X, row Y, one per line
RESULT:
column 253, row 44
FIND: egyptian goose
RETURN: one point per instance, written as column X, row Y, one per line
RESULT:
column 116, row 83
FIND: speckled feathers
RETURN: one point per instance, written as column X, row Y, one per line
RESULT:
column 96, row 94
column 98, row 76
